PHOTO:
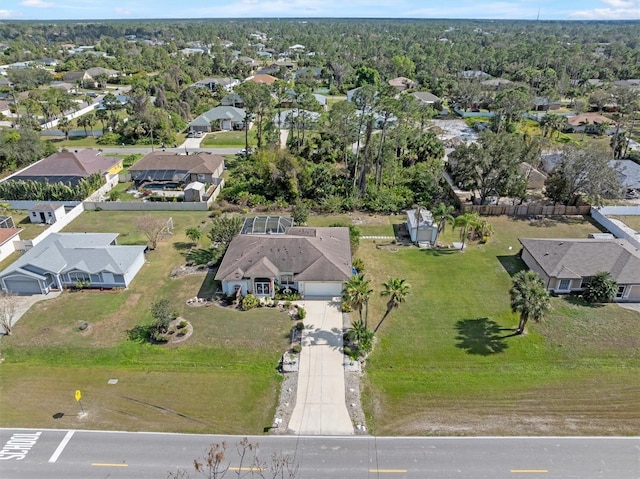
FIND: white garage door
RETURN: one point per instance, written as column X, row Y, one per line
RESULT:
column 23, row 286
column 322, row 289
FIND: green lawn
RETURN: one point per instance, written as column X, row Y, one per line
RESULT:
column 446, row 365
column 630, row 221
column 228, row 138
column 222, row 379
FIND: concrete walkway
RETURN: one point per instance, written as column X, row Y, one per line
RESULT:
column 284, row 134
column 320, row 403
column 25, row 302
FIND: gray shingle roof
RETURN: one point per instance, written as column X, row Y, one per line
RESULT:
column 68, row 163
column 311, row 254
column 88, row 252
column 579, row 258
column 219, row 113
column 197, row 163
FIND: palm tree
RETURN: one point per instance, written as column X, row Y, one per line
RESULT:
column 529, row 297
column 396, row 290
column 361, row 336
column 356, row 294
column 64, row 125
column 465, row 221
column 194, row 234
column 83, row 121
column 443, row 215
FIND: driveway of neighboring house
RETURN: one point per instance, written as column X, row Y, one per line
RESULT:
column 284, row 134
column 631, row 306
column 25, row 302
column 320, row 402
column 191, row 144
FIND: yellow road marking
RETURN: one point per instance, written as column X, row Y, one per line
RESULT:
column 390, row 471
column 257, row 469
column 530, row 470
column 102, row 464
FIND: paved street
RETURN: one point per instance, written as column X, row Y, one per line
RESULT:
column 320, row 402
column 70, row 454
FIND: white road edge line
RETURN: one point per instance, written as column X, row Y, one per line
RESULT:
column 61, row 446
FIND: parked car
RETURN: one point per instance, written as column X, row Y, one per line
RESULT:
column 245, row 152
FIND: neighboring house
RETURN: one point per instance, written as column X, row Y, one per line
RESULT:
column 629, row 173
column 227, row 84
column 589, row 123
column 283, row 119
column 315, row 72
column 545, row 104
column 82, row 78
column 314, row 261
column 247, row 61
column 161, row 166
column 47, row 62
column 402, row 83
column 65, row 86
column 62, row 259
column 474, row 75
column 232, row 99
column 95, row 71
column 7, row 237
column 496, row 83
column 224, row 118
column 351, row 93
column 4, row 108
column 46, row 213
column 421, row 226
column 187, row 52
column 567, row 265
column 427, row 98
column 633, row 83
column 322, row 100
column 262, row 79
column 69, row 167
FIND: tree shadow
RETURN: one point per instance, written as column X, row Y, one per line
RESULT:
column 512, row 264
column 209, row 285
column 182, row 246
column 440, row 252
column 481, row 336
column 578, row 301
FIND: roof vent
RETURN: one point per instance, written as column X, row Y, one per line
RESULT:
column 547, row 253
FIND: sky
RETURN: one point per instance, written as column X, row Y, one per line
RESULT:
column 476, row 9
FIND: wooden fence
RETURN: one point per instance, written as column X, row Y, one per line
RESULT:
column 526, row 210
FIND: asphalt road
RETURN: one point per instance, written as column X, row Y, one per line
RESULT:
column 144, row 151
column 53, row 454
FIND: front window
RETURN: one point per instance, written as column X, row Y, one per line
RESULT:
column 564, row 284
column 621, row 291
column 79, row 276
column 585, row 282
column 262, row 288
column 286, row 279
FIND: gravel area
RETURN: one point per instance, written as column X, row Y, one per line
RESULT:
column 289, row 387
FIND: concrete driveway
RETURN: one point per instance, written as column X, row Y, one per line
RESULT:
column 25, row 302
column 320, row 402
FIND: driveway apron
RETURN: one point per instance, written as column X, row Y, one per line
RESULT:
column 320, row 402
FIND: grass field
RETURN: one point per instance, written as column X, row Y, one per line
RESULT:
column 446, row 365
column 222, row 379
column 228, row 138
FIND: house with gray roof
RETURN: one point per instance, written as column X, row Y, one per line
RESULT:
column 232, row 99
column 313, row 261
column 629, row 173
column 227, row 84
column 224, row 118
column 160, row 166
column 69, row 167
column 567, row 265
column 64, row 259
column 426, row 97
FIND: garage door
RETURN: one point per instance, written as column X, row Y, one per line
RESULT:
column 23, row 285
column 322, row 289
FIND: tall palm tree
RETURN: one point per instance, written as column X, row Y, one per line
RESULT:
column 465, row 221
column 356, row 294
column 443, row 214
column 64, row 125
column 396, row 290
column 529, row 297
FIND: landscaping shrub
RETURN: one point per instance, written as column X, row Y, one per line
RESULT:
column 345, row 307
column 301, row 313
column 249, row 302
column 182, row 324
column 300, row 326
column 297, row 348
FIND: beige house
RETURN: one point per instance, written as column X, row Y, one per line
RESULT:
column 567, row 265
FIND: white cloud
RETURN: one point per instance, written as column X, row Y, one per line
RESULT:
column 620, row 3
column 7, row 14
column 123, row 11
column 37, row 4
column 607, row 14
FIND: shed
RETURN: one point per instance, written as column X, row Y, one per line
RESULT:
column 47, row 213
column 194, row 191
column 421, row 226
